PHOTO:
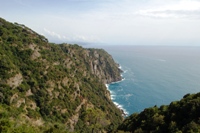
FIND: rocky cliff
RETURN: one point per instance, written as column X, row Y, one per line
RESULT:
column 51, row 88
column 47, row 87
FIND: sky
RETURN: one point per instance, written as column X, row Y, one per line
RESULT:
column 111, row 22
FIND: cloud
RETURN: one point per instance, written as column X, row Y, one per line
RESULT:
column 121, row 22
column 53, row 36
column 189, row 9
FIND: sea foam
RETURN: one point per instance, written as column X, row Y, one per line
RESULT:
column 113, row 96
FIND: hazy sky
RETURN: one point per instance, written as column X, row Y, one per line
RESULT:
column 134, row 22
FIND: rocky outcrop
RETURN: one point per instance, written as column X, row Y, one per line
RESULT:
column 29, row 93
column 104, row 67
column 74, row 119
column 55, row 85
column 35, row 49
column 15, row 81
column 35, row 122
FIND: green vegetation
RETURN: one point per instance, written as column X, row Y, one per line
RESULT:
column 179, row 117
column 50, row 88
column 46, row 87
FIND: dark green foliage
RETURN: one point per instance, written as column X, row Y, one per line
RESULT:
column 54, row 83
column 180, row 116
column 44, row 87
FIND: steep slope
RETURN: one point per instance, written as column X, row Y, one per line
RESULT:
column 46, row 87
column 180, row 116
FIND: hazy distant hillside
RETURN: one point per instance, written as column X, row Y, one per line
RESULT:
column 46, row 87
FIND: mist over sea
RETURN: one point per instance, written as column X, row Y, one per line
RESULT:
column 154, row 75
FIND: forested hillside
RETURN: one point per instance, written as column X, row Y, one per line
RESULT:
column 45, row 87
column 59, row 88
column 179, row 117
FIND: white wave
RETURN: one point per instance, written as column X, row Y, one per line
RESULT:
column 129, row 95
column 120, row 90
column 113, row 97
column 106, row 86
column 111, row 92
column 121, row 107
column 118, row 81
column 125, row 71
column 117, row 104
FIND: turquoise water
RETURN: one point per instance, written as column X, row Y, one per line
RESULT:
column 154, row 75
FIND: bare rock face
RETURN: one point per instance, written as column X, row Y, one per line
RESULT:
column 55, row 85
column 104, row 67
column 35, row 49
column 32, row 46
column 14, row 97
column 74, row 119
column 35, row 122
column 20, row 102
column 65, row 81
column 107, row 94
column 15, row 81
column 29, row 93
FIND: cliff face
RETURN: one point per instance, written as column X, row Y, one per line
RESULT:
column 103, row 66
column 46, row 87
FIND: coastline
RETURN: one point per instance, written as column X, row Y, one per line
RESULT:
column 124, row 112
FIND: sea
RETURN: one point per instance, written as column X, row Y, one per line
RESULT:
column 153, row 75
